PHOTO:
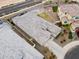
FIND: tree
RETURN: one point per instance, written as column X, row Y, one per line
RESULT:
column 70, row 35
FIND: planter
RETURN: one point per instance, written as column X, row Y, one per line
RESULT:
column 66, row 1
column 55, row 8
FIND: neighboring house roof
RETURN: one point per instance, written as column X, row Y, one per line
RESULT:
column 13, row 46
column 37, row 27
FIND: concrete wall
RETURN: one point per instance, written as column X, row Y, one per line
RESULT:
column 8, row 2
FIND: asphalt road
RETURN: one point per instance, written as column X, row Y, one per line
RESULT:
column 73, row 53
column 13, row 8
